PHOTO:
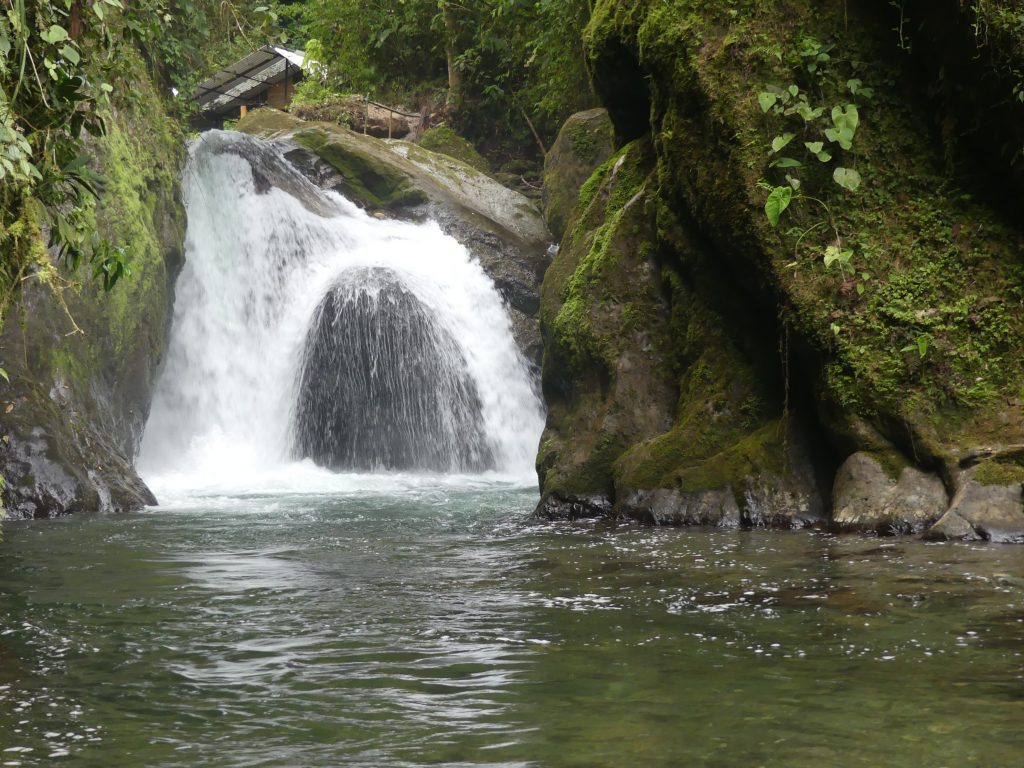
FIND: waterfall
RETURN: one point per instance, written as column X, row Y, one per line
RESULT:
column 312, row 341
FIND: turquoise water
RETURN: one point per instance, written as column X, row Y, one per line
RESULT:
column 432, row 624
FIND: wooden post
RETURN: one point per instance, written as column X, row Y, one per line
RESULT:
column 366, row 112
column 242, row 111
column 390, row 116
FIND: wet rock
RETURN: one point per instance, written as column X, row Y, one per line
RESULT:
column 73, row 413
column 583, row 143
column 991, row 512
column 383, row 386
column 866, row 498
column 717, row 508
column 572, row 507
column 952, row 527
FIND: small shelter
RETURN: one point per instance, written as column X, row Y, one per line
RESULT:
column 266, row 77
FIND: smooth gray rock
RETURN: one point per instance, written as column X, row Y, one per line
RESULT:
column 991, row 512
column 866, row 498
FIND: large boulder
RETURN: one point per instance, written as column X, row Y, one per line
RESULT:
column 658, row 408
column 583, row 144
column 867, row 497
column 989, row 505
column 836, row 285
column 383, row 386
column 83, row 364
column 500, row 227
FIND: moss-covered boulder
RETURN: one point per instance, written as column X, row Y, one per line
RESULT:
column 583, row 144
column 500, row 227
column 657, row 407
column 834, row 228
column 83, row 363
column 445, row 141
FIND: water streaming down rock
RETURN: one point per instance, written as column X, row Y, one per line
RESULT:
column 304, row 327
column 383, row 385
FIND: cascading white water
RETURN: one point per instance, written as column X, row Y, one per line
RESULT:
column 265, row 249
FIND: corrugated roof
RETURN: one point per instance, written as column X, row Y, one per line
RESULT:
column 247, row 77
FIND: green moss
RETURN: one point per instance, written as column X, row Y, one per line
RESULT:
column 994, row 472
column 444, row 140
column 611, row 250
column 367, row 179
column 945, row 274
column 756, row 455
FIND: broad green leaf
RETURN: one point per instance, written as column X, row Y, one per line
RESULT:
column 847, row 178
column 922, row 346
column 794, row 90
column 70, row 54
column 4, row 376
column 833, row 255
column 767, row 100
column 824, row 156
column 781, row 141
column 787, row 162
column 854, row 85
column 847, row 117
column 814, row 147
column 777, row 202
column 55, row 34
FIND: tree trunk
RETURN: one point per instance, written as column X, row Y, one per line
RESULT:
column 454, row 76
column 75, row 21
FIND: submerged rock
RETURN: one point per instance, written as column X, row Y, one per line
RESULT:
column 383, row 386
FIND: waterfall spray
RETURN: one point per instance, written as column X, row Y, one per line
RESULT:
column 305, row 329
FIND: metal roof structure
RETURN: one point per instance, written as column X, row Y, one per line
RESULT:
column 239, row 83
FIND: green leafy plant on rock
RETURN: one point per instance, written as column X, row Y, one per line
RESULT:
column 820, row 135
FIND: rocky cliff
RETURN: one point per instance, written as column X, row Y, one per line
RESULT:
column 82, row 363
column 790, row 298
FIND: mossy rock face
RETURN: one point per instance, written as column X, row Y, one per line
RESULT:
column 445, row 141
column 378, row 184
column 912, row 348
column 77, row 402
column 583, row 144
column 500, row 227
column 654, row 410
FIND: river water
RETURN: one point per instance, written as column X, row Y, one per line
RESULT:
column 411, row 621
column 273, row 613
